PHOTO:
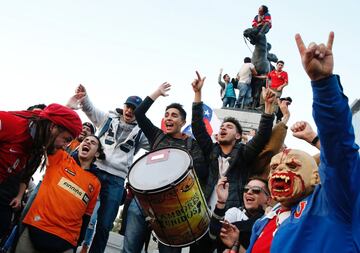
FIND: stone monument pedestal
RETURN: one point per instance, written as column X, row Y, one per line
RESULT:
column 249, row 119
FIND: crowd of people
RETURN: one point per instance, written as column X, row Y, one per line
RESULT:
column 263, row 197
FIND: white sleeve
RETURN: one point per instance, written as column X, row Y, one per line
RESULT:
column 232, row 214
column 96, row 116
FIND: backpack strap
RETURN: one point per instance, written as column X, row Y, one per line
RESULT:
column 157, row 141
column 137, row 141
column 189, row 142
column 105, row 127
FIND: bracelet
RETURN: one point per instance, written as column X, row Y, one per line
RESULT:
column 221, row 202
column 315, row 140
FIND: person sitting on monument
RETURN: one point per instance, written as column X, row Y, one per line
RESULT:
column 261, row 25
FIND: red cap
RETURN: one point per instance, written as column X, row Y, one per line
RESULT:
column 63, row 116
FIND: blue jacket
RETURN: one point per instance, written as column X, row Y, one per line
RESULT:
column 330, row 219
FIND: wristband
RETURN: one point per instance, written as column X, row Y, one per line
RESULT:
column 315, row 140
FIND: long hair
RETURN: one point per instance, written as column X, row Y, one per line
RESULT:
column 42, row 140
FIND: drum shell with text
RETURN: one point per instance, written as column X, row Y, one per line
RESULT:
column 167, row 189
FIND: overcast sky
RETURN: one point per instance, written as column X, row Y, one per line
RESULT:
column 121, row 48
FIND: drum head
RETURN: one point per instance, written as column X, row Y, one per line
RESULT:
column 158, row 169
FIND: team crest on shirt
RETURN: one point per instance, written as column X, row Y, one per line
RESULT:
column 300, row 209
column 91, row 188
column 72, row 173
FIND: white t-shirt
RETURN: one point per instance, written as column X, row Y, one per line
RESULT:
column 235, row 214
column 223, row 167
column 245, row 73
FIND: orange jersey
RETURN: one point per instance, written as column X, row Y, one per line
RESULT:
column 65, row 195
column 72, row 145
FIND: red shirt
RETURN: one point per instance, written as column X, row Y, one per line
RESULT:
column 263, row 243
column 278, row 78
column 266, row 18
column 15, row 144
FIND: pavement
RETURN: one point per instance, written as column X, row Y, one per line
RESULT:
column 115, row 243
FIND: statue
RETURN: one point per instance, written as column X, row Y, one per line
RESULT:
column 261, row 59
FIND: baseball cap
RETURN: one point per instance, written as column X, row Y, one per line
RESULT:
column 91, row 126
column 134, row 101
column 63, row 116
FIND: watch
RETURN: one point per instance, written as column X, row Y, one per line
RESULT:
column 315, row 140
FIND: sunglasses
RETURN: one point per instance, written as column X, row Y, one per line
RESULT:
column 255, row 189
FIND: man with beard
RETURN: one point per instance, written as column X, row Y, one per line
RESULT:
column 25, row 138
column 228, row 157
column 316, row 217
column 65, row 200
column 121, row 138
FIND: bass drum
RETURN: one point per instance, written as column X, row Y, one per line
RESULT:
column 166, row 187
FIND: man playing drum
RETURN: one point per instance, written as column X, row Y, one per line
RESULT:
column 175, row 119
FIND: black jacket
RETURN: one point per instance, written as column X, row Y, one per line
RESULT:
column 157, row 139
column 241, row 156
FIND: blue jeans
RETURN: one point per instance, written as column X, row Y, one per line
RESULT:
column 91, row 227
column 228, row 101
column 111, row 195
column 136, row 228
column 244, row 98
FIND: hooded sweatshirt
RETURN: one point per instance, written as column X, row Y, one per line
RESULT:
column 120, row 140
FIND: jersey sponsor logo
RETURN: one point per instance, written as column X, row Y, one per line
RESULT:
column 300, row 209
column 86, row 199
column 74, row 189
column 72, row 173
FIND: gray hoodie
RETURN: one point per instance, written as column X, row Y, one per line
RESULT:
column 117, row 137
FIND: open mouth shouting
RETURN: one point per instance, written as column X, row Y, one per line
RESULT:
column 128, row 115
column 222, row 134
column 85, row 149
column 249, row 199
column 282, row 184
column 169, row 125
